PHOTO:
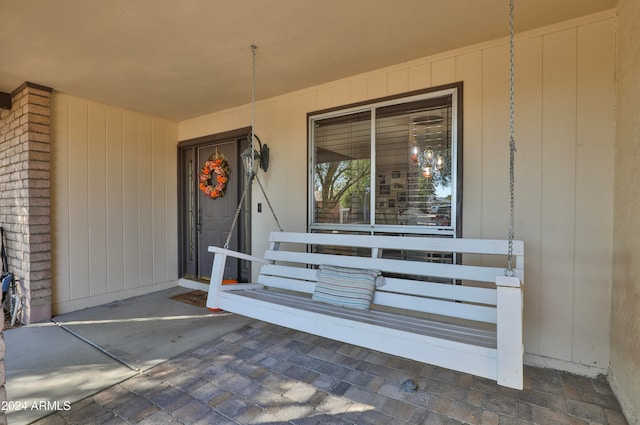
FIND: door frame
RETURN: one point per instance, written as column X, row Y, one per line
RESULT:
column 187, row 187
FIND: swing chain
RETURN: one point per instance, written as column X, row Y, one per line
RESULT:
column 253, row 133
column 266, row 198
column 252, row 175
column 237, row 214
column 253, row 105
column 244, row 195
column 512, row 143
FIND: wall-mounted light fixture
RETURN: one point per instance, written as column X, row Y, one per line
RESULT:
column 259, row 158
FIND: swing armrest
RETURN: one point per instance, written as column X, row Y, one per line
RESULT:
column 239, row 255
column 217, row 271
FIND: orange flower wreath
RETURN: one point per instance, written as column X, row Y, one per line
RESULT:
column 210, row 186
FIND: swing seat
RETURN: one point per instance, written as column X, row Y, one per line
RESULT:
column 465, row 317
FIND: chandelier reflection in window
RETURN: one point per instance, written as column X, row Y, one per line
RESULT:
column 430, row 148
column 429, row 162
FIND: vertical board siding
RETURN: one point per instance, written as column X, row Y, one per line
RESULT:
column 78, row 199
column 295, row 169
column 114, row 180
column 357, row 92
column 145, row 206
column 419, row 76
column 558, row 192
column 340, row 94
column 171, row 204
column 561, row 137
column 594, row 195
column 443, row 71
column 377, row 86
column 325, row 97
column 115, row 199
column 469, row 70
column 495, row 143
column 159, row 200
column 398, row 81
column 130, row 196
column 97, row 179
column 60, row 198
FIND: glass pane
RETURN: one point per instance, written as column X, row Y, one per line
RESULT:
column 414, row 156
column 342, row 169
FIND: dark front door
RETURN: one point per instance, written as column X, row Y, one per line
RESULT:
column 216, row 215
column 205, row 221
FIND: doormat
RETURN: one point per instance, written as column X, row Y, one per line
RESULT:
column 197, row 298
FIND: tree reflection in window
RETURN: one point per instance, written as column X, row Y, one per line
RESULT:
column 343, row 191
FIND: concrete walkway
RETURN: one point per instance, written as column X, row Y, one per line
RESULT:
column 47, row 367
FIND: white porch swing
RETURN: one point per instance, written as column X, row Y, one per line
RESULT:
column 391, row 305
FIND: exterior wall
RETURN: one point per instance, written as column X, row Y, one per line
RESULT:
column 25, row 197
column 625, row 310
column 114, row 215
column 565, row 135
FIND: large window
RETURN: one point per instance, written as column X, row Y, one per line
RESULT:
column 390, row 166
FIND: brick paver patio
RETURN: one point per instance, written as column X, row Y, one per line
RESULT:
column 265, row 374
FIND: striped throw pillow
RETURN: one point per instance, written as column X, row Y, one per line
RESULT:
column 345, row 287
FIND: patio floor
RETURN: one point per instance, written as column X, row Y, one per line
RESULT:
column 265, row 374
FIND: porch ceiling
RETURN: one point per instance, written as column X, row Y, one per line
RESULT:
column 182, row 59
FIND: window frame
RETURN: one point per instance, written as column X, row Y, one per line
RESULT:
column 455, row 90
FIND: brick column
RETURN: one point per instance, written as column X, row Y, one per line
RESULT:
column 25, row 197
